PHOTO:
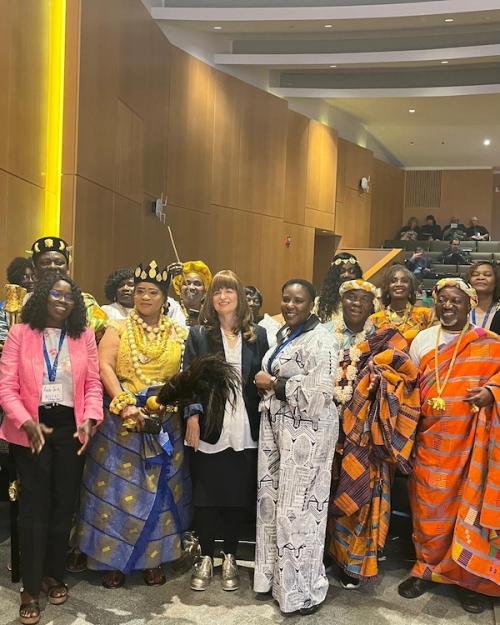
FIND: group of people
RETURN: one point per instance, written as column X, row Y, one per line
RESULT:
column 432, row 231
column 138, row 421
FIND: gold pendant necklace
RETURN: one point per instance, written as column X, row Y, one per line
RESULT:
column 438, row 403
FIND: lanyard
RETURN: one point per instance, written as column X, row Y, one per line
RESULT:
column 282, row 346
column 52, row 368
column 485, row 318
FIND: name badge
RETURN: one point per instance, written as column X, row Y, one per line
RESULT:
column 52, row 393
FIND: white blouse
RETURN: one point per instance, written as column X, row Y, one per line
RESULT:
column 116, row 311
column 63, row 375
column 236, row 432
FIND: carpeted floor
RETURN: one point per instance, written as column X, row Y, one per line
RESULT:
column 175, row 604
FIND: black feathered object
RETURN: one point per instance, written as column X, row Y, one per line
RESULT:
column 209, row 381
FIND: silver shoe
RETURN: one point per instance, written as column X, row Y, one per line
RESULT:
column 230, row 573
column 203, row 571
column 191, row 545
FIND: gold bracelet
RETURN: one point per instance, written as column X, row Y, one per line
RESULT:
column 121, row 400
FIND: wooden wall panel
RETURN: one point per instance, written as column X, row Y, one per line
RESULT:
column 263, row 152
column 226, row 165
column 5, row 82
column 190, row 132
column 358, row 164
column 352, row 219
column 98, row 102
column 387, row 202
column 129, row 154
column 321, row 168
column 296, row 165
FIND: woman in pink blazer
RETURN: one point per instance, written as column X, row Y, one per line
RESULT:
column 52, row 398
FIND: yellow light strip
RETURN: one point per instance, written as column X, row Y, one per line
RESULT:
column 55, row 114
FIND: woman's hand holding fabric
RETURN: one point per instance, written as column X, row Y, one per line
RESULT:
column 133, row 414
column 193, row 431
column 85, row 431
column 36, row 433
column 264, row 381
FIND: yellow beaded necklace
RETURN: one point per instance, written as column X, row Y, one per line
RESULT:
column 438, row 403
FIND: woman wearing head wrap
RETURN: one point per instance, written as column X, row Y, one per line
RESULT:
column 136, row 493
column 191, row 286
column 399, row 311
column 298, row 432
column 344, row 266
column 455, row 482
column 376, row 391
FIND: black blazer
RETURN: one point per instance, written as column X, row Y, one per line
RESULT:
column 199, row 343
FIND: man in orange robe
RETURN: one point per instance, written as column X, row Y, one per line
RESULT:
column 455, row 486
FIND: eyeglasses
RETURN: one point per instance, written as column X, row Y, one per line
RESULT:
column 62, row 295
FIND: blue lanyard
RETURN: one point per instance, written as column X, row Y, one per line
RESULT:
column 282, row 346
column 485, row 318
column 52, row 368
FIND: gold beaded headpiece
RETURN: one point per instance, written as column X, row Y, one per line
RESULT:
column 458, row 283
column 50, row 244
column 352, row 260
column 152, row 273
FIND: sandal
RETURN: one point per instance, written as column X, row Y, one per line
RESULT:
column 57, row 594
column 113, row 579
column 29, row 612
column 154, row 577
column 76, row 562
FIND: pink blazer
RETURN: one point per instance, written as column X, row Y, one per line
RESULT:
column 21, row 375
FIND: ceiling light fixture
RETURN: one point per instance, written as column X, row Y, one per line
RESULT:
column 487, row 142
column 217, row 27
column 449, row 20
column 328, row 26
column 444, row 62
column 412, row 110
column 333, row 66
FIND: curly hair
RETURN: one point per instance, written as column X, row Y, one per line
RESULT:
column 329, row 298
column 496, row 272
column 114, row 280
column 34, row 312
column 17, row 268
column 388, row 278
column 227, row 279
column 253, row 291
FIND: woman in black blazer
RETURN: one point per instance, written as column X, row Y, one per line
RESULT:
column 224, row 462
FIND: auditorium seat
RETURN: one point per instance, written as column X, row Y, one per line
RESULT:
column 488, row 246
column 476, row 256
column 439, row 246
column 445, row 270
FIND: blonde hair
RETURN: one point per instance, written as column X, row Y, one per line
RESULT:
column 227, row 279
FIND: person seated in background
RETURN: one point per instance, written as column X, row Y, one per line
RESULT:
column 454, row 255
column 454, row 230
column 419, row 263
column 254, row 299
column 431, row 230
column 119, row 290
column 475, row 232
column 410, row 231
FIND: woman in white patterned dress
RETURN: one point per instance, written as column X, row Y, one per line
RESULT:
column 298, row 432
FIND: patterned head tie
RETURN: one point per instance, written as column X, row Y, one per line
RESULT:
column 50, row 244
column 151, row 273
column 458, row 283
column 359, row 285
column 352, row 260
column 193, row 266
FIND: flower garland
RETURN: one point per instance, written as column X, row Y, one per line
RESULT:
column 148, row 343
column 345, row 375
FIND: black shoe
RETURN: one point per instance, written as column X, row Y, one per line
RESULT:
column 348, row 582
column 470, row 601
column 310, row 610
column 414, row 587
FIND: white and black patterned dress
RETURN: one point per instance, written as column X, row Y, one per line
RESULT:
column 296, row 447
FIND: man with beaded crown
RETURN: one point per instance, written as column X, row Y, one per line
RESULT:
column 376, row 390
column 454, row 489
column 136, row 492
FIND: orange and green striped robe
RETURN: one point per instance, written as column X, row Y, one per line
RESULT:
column 455, row 486
column 379, row 430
